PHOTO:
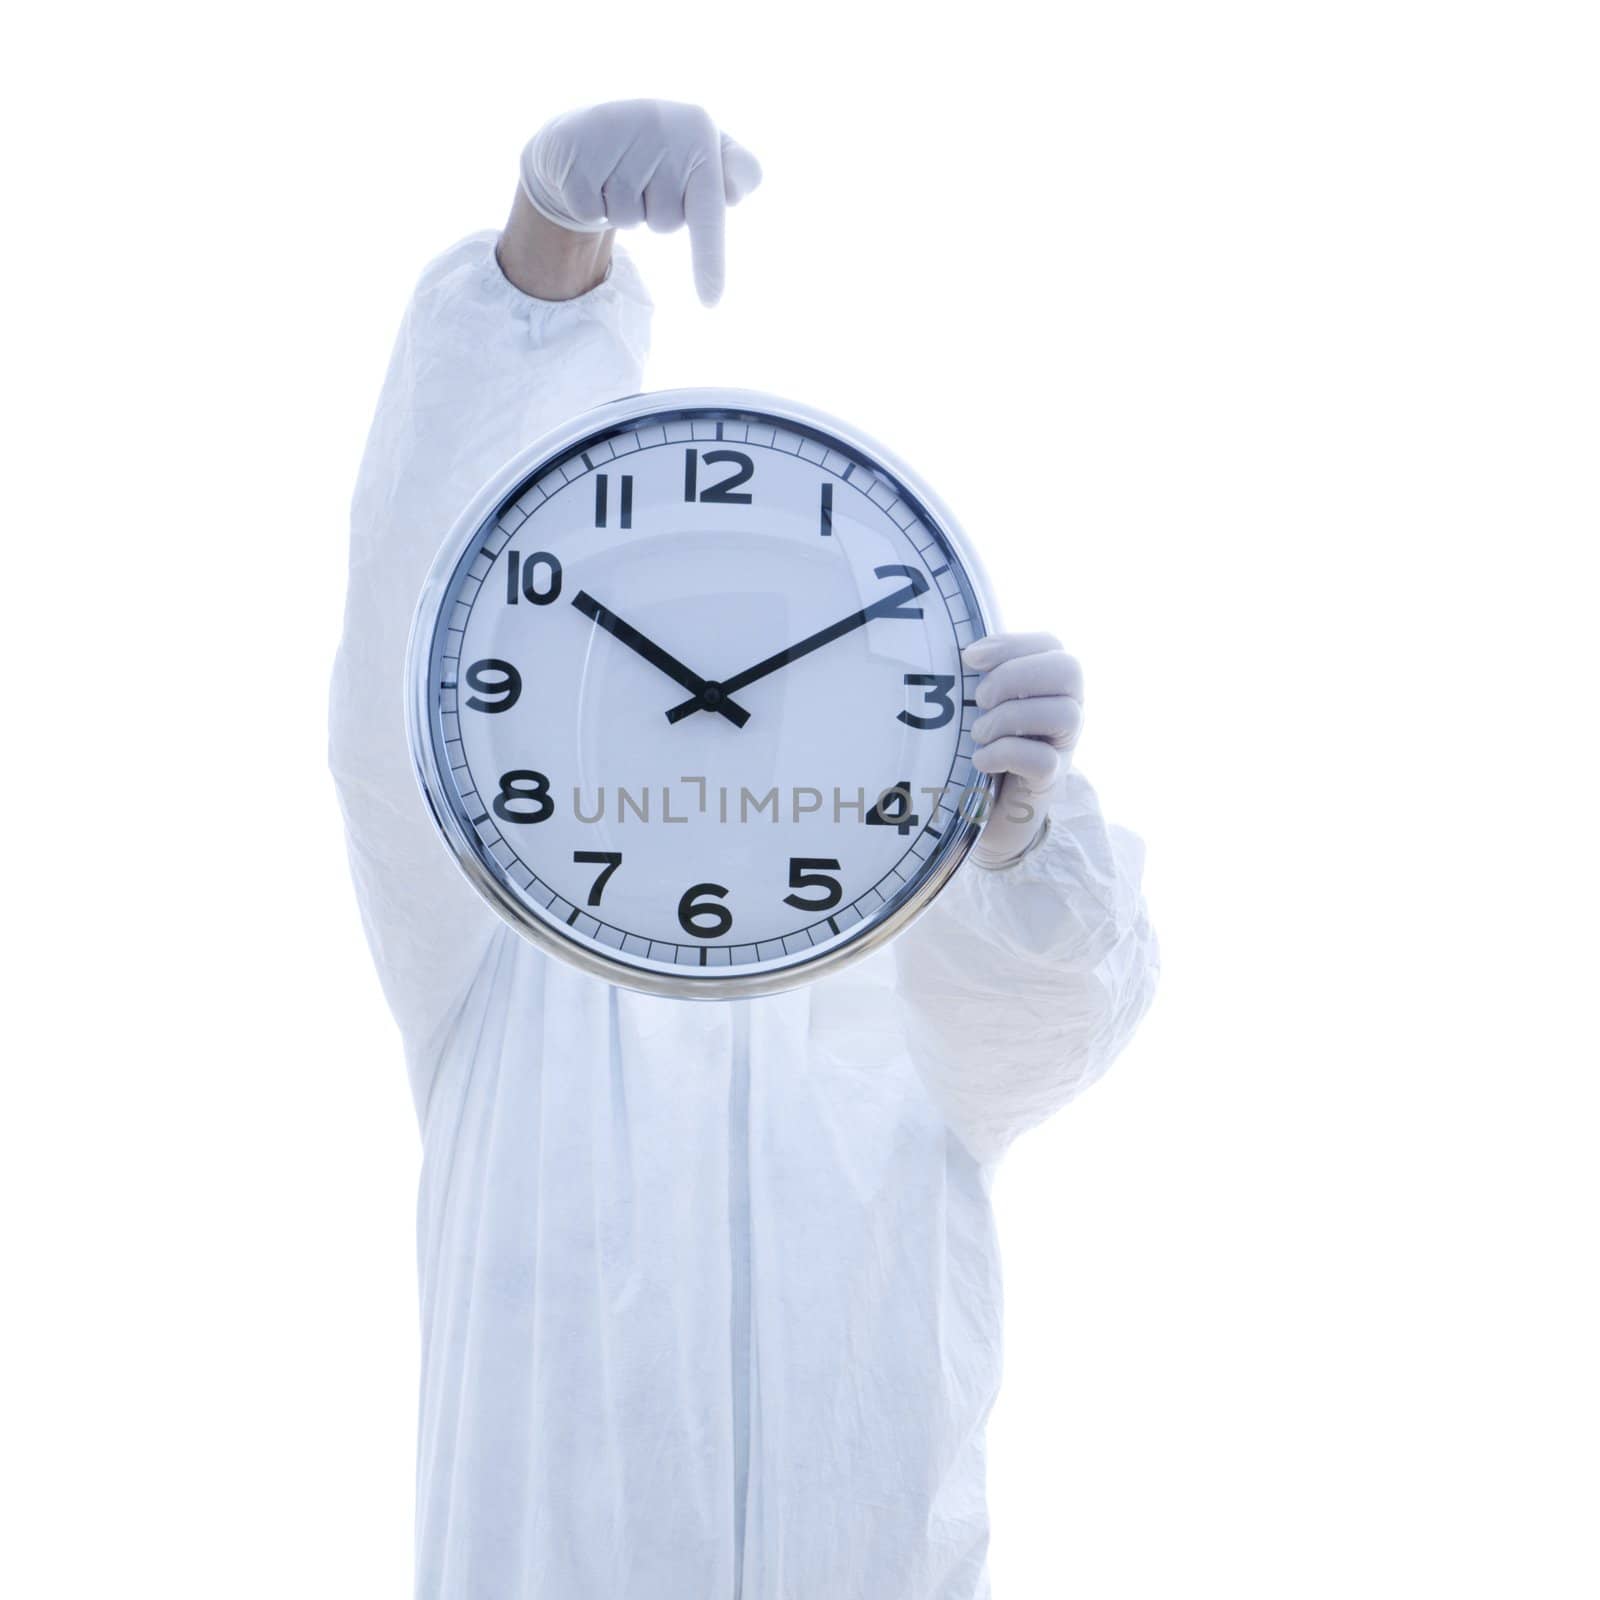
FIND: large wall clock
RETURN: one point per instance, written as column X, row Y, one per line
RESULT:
column 686, row 699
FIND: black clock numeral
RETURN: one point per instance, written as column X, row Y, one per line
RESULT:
column 498, row 683
column 608, row 860
column 525, row 575
column 624, row 500
column 814, row 872
column 935, row 689
column 905, row 611
column 720, row 494
column 523, row 787
column 697, row 904
column 901, row 816
column 827, row 510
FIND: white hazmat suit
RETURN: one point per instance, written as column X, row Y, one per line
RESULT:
column 710, row 1291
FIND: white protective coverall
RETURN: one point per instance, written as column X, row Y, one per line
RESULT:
column 710, row 1291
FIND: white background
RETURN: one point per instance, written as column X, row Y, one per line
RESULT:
column 1257, row 347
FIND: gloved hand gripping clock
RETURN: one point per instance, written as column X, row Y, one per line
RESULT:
column 707, row 702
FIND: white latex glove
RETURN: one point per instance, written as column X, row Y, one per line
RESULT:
column 632, row 161
column 1030, row 702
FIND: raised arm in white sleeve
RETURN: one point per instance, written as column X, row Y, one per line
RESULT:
column 479, row 371
column 1030, row 972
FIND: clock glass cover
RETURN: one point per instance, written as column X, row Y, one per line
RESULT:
column 685, row 693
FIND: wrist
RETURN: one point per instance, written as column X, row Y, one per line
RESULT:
column 991, row 864
column 547, row 261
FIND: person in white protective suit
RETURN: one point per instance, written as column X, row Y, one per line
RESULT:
column 710, row 1290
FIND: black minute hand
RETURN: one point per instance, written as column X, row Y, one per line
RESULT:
column 658, row 658
column 888, row 606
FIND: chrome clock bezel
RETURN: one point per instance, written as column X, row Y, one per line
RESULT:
column 466, row 849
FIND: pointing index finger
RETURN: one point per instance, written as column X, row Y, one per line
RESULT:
column 703, row 209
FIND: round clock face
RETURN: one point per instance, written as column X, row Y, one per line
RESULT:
column 686, row 695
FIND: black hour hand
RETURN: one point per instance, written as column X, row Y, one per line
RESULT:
column 706, row 694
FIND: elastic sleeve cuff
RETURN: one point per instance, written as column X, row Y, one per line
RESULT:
column 466, row 279
column 621, row 285
column 1064, row 899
